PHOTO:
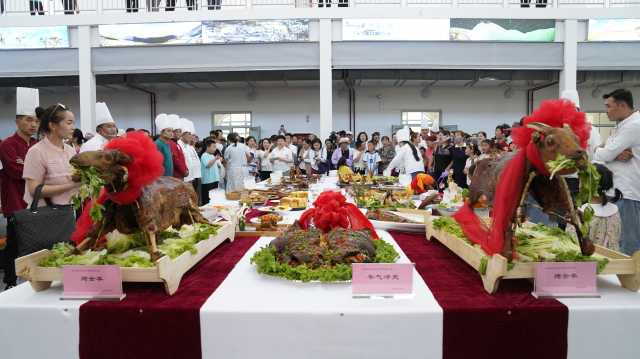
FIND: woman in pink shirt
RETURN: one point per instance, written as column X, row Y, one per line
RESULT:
column 48, row 160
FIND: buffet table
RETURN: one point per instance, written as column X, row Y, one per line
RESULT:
column 251, row 316
column 314, row 320
column 225, row 309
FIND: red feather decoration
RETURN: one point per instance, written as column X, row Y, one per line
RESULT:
column 555, row 113
column 145, row 167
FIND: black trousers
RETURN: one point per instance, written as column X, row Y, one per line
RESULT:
column 213, row 4
column 265, row 175
column 10, row 253
column 196, row 187
column 170, row 5
column 36, row 7
column 132, row 5
column 206, row 187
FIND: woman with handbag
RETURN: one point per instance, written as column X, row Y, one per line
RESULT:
column 47, row 162
column 47, row 174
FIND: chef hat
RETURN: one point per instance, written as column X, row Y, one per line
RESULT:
column 192, row 127
column 403, row 135
column 174, row 122
column 102, row 114
column 27, row 99
column 162, row 122
column 184, row 125
column 571, row 95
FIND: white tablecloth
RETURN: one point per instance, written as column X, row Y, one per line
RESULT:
column 255, row 316
column 251, row 316
column 605, row 327
column 38, row 325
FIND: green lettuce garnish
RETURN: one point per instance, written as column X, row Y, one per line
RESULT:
column 267, row 263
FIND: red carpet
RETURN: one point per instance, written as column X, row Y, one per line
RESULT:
column 509, row 324
column 150, row 324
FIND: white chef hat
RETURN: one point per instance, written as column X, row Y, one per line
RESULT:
column 184, row 125
column 162, row 122
column 403, row 135
column 571, row 95
column 27, row 99
column 102, row 114
column 174, row 122
column 192, row 127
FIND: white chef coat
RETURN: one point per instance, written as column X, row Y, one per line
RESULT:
column 192, row 160
column 626, row 175
column 96, row 143
column 404, row 159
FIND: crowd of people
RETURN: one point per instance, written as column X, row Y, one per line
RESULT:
column 38, row 155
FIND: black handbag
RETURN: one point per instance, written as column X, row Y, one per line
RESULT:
column 40, row 228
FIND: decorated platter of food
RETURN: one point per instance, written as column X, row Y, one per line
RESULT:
column 133, row 217
column 323, row 244
column 392, row 220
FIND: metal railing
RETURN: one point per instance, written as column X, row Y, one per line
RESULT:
column 73, row 7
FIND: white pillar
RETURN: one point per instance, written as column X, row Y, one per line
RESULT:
column 569, row 73
column 326, row 79
column 87, row 82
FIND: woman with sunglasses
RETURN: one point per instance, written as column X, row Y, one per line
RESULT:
column 47, row 162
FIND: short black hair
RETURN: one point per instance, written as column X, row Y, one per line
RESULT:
column 280, row 137
column 208, row 142
column 621, row 95
column 130, row 129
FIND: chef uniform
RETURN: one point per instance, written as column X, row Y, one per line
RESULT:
column 13, row 151
column 191, row 156
column 162, row 123
column 180, row 169
column 98, row 142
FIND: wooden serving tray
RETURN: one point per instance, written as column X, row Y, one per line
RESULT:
column 627, row 268
column 167, row 271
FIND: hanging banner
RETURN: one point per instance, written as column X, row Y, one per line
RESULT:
column 243, row 31
column 502, row 30
column 34, row 37
column 614, row 30
column 395, row 29
column 174, row 33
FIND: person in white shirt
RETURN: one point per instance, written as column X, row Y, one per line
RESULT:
column 281, row 157
column 106, row 129
column 375, row 138
column 252, row 152
column 302, row 155
column 316, row 158
column 190, row 155
column 263, row 159
column 621, row 154
column 358, row 162
column 407, row 155
column 371, row 159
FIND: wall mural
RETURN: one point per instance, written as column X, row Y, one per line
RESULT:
column 502, row 30
column 34, row 37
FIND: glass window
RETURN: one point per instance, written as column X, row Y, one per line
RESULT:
column 601, row 122
column 416, row 119
column 238, row 122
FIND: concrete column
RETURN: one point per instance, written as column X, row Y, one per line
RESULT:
column 569, row 73
column 326, row 80
column 87, row 81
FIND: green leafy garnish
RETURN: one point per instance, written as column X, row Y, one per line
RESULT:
column 60, row 255
column 560, row 163
column 130, row 250
column 483, row 265
column 267, row 263
column 90, row 186
column 538, row 243
column 589, row 181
